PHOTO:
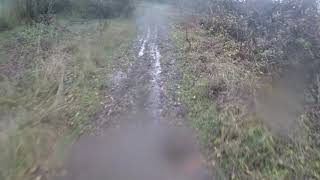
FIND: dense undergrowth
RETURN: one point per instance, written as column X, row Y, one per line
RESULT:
column 249, row 81
column 52, row 81
column 239, row 145
column 17, row 12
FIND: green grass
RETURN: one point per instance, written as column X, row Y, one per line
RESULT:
column 234, row 138
column 53, row 93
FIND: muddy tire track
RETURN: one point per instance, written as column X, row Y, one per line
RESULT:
column 134, row 119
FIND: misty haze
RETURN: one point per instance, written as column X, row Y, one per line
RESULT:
column 159, row 89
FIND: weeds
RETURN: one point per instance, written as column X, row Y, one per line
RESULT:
column 18, row 12
column 51, row 87
column 220, row 95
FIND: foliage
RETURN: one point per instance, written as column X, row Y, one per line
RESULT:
column 14, row 12
column 219, row 95
column 240, row 50
column 102, row 9
column 47, row 99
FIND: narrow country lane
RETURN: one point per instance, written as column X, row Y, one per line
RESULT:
column 136, row 139
column 138, row 93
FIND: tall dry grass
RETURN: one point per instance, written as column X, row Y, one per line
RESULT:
column 52, row 86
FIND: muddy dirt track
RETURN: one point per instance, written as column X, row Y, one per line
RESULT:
column 141, row 133
column 138, row 92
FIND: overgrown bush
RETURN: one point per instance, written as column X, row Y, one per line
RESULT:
column 17, row 11
column 258, row 63
column 102, row 9
column 14, row 12
column 281, row 37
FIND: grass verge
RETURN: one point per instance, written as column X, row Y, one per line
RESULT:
column 53, row 80
column 220, row 96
